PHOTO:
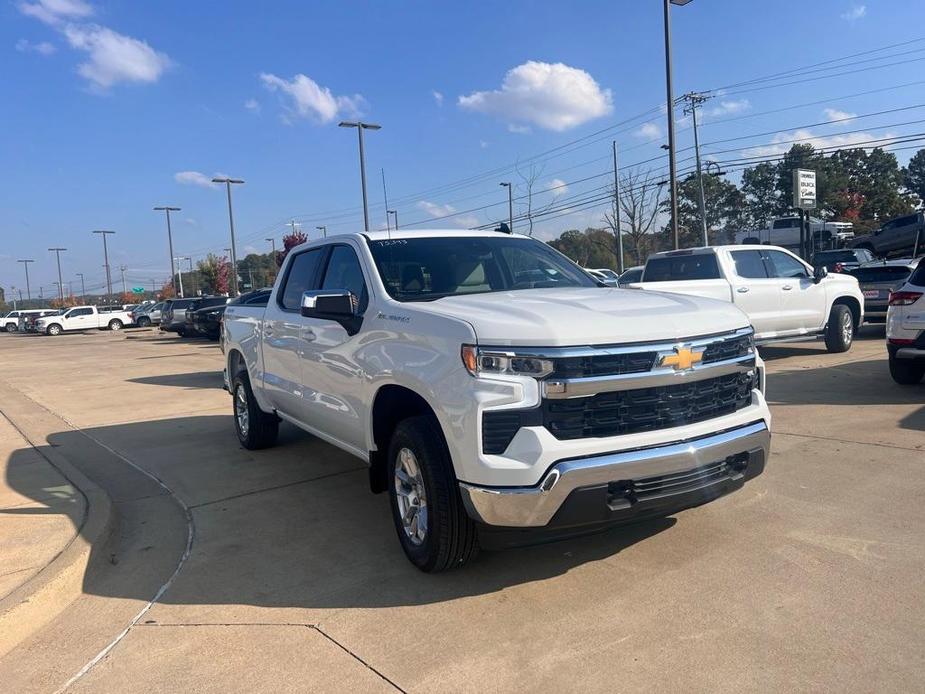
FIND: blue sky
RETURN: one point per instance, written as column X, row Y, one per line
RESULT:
column 113, row 107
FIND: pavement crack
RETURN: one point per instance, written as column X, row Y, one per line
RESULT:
column 357, row 658
column 860, row 443
column 227, row 624
column 274, row 488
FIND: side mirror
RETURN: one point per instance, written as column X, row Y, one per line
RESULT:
column 331, row 304
column 820, row 273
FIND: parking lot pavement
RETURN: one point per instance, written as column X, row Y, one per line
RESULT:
column 810, row 578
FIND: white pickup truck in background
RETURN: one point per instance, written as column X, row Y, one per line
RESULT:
column 85, row 318
column 495, row 390
column 783, row 297
column 785, row 231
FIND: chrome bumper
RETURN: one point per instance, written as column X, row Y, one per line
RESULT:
column 536, row 506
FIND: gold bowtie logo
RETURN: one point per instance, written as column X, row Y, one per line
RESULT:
column 682, row 359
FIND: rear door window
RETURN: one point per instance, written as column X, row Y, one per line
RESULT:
column 749, row 264
column 698, row 266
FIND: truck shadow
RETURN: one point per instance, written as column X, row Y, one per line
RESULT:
column 199, row 379
column 294, row 526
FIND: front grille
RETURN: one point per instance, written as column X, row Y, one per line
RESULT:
column 603, row 365
column 727, row 349
column 676, row 482
column 647, row 409
column 498, row 428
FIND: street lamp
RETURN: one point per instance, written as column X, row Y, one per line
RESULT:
column 392, row 212
column 324, row 231
column 104, row 233
column 167, row 210
column 234, row 250
column 57, row 252
column 360, row 126
column 510, row 205
column 25, row 263
column 672, row 165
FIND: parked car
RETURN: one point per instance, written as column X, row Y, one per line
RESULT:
column 905, row 329
column 84, row 318
column 147, row 315
column 604, row 274
column 497, row 393
column 903, row 235
column 632, row 274
column 842, row 260
column 27, row 319
column 173, row 315
column 205, row 319
column 783, row 297
column 10, row 322
column 878, row 280
column 258, row 297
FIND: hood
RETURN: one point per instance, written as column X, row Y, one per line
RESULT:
column 586, row 316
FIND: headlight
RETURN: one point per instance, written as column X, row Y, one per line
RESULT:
column 495, row 362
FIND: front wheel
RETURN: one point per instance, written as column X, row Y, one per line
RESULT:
column 433, row 528
column 144, row 322
column 905, row 371
column 839, row 333
column 11, row 327
column 255, row 428
column 53, row 330
column 115, row 324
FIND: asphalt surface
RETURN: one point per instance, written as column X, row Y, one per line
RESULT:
column 283, row 572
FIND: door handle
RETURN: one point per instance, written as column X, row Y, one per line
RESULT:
column 309, row 335
column 742, row 290
column 268, row 332
column 787, row 287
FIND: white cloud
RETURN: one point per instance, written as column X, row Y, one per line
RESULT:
column 252, row 105
column 42, row 47
column 445, row 214
column 435, row 210
column 836, row 114
column 648, row 131
column 308, row 99
column 729, row 106
column 519, row 129
column 193, row 178
column 855, row 13
column 114, row 57
column 553, row 96
column 467, row 221
column 557, row 187
column 782, row 142
column 54, row 11
column 483, row 144
column 438, row 97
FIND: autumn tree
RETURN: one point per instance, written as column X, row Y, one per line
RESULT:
column 290, row 241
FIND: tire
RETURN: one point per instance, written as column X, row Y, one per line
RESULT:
column 255, row 428
column 839, row 333
column 11, row 327
column 144, row 322
column 115, row 324
column 54, row 330
column 906, row 372
column 181, row 332
column 419, row 459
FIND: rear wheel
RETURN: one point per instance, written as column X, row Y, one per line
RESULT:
column 839, row 333
column 433, row 528
column 115, row 324
column 11, row 327
column 255, row 428
column 144, row 322
column 181, row 332
column 905, row 371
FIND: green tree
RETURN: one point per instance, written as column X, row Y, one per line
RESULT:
column 589, row 248
column 724, row 203
column 762, row 197
column 914, row 175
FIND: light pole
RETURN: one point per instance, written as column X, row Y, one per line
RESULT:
column 694, row 99
column 104, row 233
column 510, row 205
column 83, row 287
column 122, row 269
column 57, row 252
column 167, row 210
column 25, row 263
column 392, row 212
column 324, row 231
column 180, row 273
column 360, row 126
column 234, row 250
column 672, row 165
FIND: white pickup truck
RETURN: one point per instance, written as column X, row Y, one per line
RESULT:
column 85, row 318
column 785, row 231
column 497, row 392
column 783, row 297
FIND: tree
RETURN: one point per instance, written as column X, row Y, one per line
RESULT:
column 762, row 198
column 261, row 267
column 215, row 273
column 640, row 198
column 529, row 182
column 914, row 175
column 168, row 291
column 588, row 248
column 290, row 241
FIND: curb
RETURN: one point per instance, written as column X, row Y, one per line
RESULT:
column 43, row 597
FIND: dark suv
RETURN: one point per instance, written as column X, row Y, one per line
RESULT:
column 898, row 236
column 204, row 319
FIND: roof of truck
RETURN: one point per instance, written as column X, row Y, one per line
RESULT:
column 426, row 233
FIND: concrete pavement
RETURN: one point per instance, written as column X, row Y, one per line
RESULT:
column 810, row 578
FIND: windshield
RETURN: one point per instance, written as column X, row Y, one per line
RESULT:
column 425, row 269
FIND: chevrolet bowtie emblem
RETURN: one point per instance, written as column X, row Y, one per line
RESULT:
column 682, row 360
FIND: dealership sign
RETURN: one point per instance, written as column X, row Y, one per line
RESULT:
column 804, row 189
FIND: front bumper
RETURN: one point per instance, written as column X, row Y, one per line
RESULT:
column 627, row 485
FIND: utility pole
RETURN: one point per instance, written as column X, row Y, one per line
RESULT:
column 385, row 197
column 510, row 205
column 672, row 164
column 180, row 273
column 694, row 99
column 83, row 287
column 57, row 252
column 104, row 233
column 292, row 225
column 122, row 269
column 273, row 246
column 360, row 126
column 234, row 250
column 395, row 213
column 324, row 231
column 25, row 263
column 167, row 210
column 70, row 288
column 616, row 208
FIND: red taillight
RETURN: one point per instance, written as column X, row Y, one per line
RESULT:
column 839, row 267
column 904, row 298
column 900, row 341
